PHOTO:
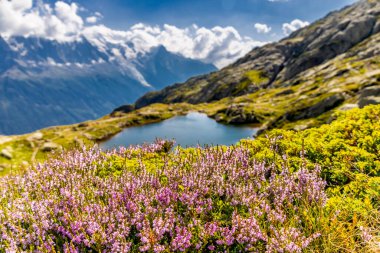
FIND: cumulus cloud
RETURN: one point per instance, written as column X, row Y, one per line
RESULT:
column 262, row 28
column 20, row 17
column 94, row 19
column 61, row 21
column 91, row 20
column 296, row 24
column 218, row 45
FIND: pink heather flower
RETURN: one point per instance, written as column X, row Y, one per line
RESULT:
column 159, row 248
column 72, row 200
column 211, row 247
column 365, row 234
column 182, row 239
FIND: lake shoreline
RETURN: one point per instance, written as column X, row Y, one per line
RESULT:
column 191, row 120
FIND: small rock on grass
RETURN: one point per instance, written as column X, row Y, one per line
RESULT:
column 6, row 153
column 2, row 167
column 35, row 137
column 50, row 146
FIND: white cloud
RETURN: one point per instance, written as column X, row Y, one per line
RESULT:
column 293, row 26
column 94, row 19
column 91, row 20
column 218, row 45
column 62, row 21
column 262, row 28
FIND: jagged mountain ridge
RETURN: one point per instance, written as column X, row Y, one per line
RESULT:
column 45, row 82
column 283, row 63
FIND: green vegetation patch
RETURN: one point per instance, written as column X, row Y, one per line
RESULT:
column 257, row 77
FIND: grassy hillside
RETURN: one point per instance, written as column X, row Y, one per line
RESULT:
column 316, row 190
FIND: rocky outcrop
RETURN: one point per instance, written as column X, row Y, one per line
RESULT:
column 348, row 107
column 124, row 109
column 332, row 36
column 285, row 92
column 236, row 114
column 50, row 146
column 7, row 153
column 37, row 136
column 317, row 109
column 370, row 95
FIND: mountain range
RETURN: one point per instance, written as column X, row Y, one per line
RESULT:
column 46, row 82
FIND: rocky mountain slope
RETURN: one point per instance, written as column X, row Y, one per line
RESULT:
column 314, row 70
column 45, row 82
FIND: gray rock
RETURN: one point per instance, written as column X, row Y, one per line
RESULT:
column 50, row 146
column 325, row 105
column 317, row 109
column 6, row 153
column 376, row 29
column 369, row 101
column 285, row 92
column 35, row 137
column 79, row 142
column 348, row 107
column 25, row 164
column 300, row 127
column 83, row 124
column 2, row 167
column 244, row 118
column 4, row 139
column 124, row 109
column 237, row 114
column 219, row 117
column 89, row 136
column 371, row 91
column 370, row 96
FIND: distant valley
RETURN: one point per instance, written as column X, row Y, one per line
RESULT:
column 45, row 82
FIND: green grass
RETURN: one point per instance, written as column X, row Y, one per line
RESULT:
column 256, row 77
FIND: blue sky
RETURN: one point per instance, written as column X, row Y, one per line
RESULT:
column 241, row 14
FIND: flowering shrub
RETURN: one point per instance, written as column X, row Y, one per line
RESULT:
column 144, row 199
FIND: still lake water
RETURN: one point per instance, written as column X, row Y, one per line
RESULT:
column 188, row 131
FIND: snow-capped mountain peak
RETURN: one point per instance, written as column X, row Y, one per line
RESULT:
column 52, row 82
